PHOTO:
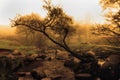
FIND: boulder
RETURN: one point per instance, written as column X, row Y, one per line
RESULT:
column 110, row 70
column 112, row 60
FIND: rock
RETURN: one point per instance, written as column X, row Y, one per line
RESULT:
column 34, row 55
column 46, row 79
column 62, row 55
column 41, row 56
column 37, row 75
column 91, row 52
column 84, row 76
column 26, row 78
column 71, row 64
column 110, row 70
column 23, row 74
column 21, row 78
column 48, row 72
column 76, row 60
column 38, row 72
column 112, row 60
column 10, row 56
column 16, row 52
column 57, row 77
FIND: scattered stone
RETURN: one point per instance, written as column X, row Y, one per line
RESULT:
column 56, row 77
column 38, row 73
column 46, row 79
column 16, row 52
column 91, row 52
column 26, row 78
column 76, row 60
column 34, row 55
column 83, row 76
column 10, row 56
column 62, row 55
column 42, row 56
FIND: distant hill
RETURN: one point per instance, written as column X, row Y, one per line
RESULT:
column 6, row 30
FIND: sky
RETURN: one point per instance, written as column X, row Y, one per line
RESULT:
column 78, row 9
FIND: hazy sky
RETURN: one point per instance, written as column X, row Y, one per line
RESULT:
column 78, row 9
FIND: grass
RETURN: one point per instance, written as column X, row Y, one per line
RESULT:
column 6, row 44
column 14, row 45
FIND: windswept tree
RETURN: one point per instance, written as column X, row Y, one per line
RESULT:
column 56, row 26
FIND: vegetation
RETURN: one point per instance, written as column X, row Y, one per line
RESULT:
column 112, row 27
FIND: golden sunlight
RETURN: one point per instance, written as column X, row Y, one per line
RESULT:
column 6, row 30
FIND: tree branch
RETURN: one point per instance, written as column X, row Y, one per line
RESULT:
column 64, row 38
column 28, row 27
column 64, row 47
column 118, row 34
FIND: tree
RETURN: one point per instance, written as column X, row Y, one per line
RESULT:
column 56, row 26
column 112, row 26
column 110, row 3
column 27, row 36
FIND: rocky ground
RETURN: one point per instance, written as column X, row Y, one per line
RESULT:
column 56, row 65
